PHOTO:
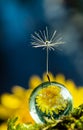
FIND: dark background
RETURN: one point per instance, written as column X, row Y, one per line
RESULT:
column 21, row 18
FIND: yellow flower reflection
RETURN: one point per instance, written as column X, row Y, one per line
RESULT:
column 48, row 97
column 16, row 103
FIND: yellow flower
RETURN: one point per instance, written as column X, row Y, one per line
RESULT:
column 16, row 103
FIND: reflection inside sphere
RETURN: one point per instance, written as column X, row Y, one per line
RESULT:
column 50, row 100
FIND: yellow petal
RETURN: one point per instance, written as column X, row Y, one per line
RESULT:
column 34, row 81
column 79, row 97
column 10, row 101
column 4, row 112
column 3, row 126
column 18, row 91
column 60, row 79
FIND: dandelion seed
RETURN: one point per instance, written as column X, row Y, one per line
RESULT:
column 41, row 40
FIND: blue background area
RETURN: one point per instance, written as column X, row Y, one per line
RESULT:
column 21, row 18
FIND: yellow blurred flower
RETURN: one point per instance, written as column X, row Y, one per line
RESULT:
column 16, row 103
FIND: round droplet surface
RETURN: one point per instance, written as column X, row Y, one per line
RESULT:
column 49, row 100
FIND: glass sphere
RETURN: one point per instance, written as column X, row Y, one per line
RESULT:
column 48, row 101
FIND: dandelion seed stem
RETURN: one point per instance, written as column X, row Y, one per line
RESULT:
column 47, row 58
column 47, row 62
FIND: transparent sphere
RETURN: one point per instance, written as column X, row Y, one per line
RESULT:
column 49, row 100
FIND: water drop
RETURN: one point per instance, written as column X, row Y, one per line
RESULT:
column 50, row 100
